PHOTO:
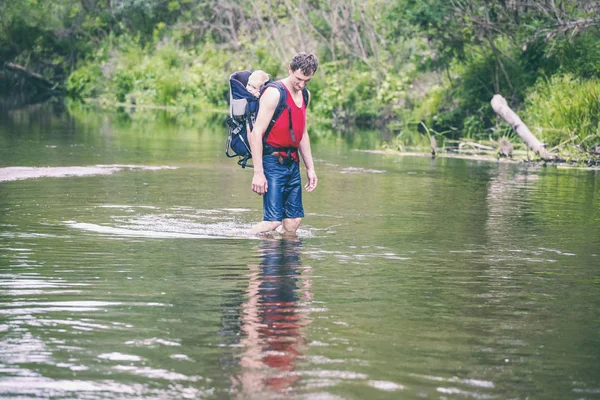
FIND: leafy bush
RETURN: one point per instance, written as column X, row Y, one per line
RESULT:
column 579, row 56
column 347, row 94
column 164, row 74
column 123, row 84
column 83, row 82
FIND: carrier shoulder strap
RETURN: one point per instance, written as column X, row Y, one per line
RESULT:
column 281, row 105
column 306, row 96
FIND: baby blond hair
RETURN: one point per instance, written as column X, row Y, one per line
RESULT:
column 256, row 80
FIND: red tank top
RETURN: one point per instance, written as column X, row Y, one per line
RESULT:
column 280, row 133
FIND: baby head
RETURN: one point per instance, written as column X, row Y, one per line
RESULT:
column 256, row 80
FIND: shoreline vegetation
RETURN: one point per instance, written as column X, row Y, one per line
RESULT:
column 521, row 157
column 422, row 73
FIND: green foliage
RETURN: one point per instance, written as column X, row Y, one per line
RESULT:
column 122, row 84
column 375, row 56
column 169, row 75
column 433, row 20
column 579, row 56
column 264, row 59
column 83, row 82
column 34, row 33
column 489, row 47
column 349, row 94
column 563, row 106
column 339, row 93
column 427, row 108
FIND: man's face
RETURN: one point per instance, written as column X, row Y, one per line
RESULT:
column 299, row 80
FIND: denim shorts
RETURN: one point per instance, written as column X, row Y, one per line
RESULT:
column 284, row 192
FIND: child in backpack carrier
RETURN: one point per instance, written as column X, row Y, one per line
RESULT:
column 256, row 80
column 244, row 92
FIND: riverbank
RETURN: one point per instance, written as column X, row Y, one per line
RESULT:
column 408, row 103
column 519, row 157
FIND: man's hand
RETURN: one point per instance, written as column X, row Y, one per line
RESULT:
column 259, row 183
column 311, row 178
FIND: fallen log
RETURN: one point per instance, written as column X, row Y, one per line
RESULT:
column 33, row 77
column 501, row 108
column 475, row 145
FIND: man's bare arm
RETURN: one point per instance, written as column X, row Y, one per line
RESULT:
column 268, row 103
column 306, row 153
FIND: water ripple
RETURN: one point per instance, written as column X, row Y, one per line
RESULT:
column 119, row 357
column 156, row 373
column 20, row 173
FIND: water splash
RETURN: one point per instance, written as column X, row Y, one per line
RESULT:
column 176, row 222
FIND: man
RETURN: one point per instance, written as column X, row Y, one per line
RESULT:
column 276, row 170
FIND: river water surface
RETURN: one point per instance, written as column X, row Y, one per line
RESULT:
column 126, row 272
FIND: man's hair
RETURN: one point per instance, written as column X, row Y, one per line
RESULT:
column 306, row 62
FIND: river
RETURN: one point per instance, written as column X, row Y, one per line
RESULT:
column 126, row 271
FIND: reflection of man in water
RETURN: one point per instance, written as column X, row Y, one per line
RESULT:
column 273, row 320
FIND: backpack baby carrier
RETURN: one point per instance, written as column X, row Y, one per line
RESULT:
column 243, row 109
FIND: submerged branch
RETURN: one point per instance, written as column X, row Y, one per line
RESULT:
column 33, row 77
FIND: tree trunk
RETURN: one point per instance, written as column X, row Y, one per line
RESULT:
column 501, row 108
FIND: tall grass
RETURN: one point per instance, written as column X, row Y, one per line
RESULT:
column 563, row 107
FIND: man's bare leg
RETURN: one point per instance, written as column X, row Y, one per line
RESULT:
column 290, row 226
column 264, row 226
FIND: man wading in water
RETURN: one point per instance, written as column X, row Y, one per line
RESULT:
column 276, row 165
